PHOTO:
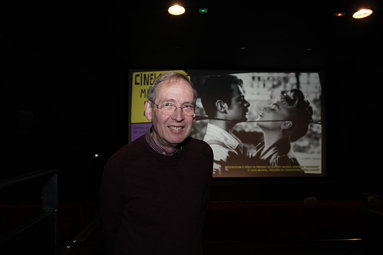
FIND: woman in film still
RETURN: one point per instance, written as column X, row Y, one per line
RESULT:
column 284, row 121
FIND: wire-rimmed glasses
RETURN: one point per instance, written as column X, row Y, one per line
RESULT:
column 168, row 108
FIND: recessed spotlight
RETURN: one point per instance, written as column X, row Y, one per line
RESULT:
column 363, row 13
column 339, row 14
column 176, row 10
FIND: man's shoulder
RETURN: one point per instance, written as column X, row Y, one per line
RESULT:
column 215, row 133
column 214, row 130
column 197, row 145
column 133, row 150
column 190, row 141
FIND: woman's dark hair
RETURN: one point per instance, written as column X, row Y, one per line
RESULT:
column 300, row 110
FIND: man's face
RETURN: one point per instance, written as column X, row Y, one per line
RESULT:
column 239, row 106
column 171, row 130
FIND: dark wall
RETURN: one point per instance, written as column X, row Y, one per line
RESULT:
column 63, row 106
column 59, row 116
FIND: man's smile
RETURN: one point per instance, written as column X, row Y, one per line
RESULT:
column 175, row 128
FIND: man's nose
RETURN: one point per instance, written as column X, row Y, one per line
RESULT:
column 178, row 114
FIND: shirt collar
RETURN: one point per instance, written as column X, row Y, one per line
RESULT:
column 228, row 138
column 155, row 146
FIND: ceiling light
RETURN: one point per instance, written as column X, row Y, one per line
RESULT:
column 176, row 10
column 339, row 14
column 362, row 14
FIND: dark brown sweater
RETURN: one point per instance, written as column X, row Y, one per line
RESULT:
column 156, row 204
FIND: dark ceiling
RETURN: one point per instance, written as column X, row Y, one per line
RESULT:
column 242, row 34
column 246, row 34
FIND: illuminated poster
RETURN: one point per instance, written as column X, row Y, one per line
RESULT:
column 259, row 124
column 141, row 81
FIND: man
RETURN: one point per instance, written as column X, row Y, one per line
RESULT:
column 155, row 190
column 224, row 102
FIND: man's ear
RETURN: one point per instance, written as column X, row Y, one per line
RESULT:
column 221, row 106
column 286, row 125
column 148, row 110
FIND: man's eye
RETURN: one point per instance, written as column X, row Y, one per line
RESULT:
column 167, row 104
column 188, row 106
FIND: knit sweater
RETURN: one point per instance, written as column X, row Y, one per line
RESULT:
column 156, row 204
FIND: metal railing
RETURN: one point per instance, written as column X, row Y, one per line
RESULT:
column 88, row 241
column 39, row 235
column 372, row 223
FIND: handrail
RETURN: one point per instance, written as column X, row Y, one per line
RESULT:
column 373, row 195
column 49, row 204
column 25, row 177
column 372, row 224
column 77, row 241
column 365, row 202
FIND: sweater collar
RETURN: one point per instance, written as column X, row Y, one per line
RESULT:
column 155, row 146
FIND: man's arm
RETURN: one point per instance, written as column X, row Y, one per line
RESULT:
column 111, row 205
column 206, row 195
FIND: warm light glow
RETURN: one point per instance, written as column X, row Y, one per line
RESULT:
column 362, row 14
column 339, row 14
column 176, row 10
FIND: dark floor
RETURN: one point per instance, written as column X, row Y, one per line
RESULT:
column 94, row 246
column 286, row 248
column 89, row 242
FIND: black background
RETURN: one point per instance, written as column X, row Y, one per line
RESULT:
column 64, row 82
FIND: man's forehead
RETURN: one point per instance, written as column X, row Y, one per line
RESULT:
column 165, row 89
column 175, row 80
column 172, row 82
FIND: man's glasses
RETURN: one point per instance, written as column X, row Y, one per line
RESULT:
column 169, row 108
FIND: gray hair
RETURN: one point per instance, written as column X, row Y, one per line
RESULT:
column 168, row 77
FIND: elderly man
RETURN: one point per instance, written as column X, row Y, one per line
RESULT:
column 155, row 190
